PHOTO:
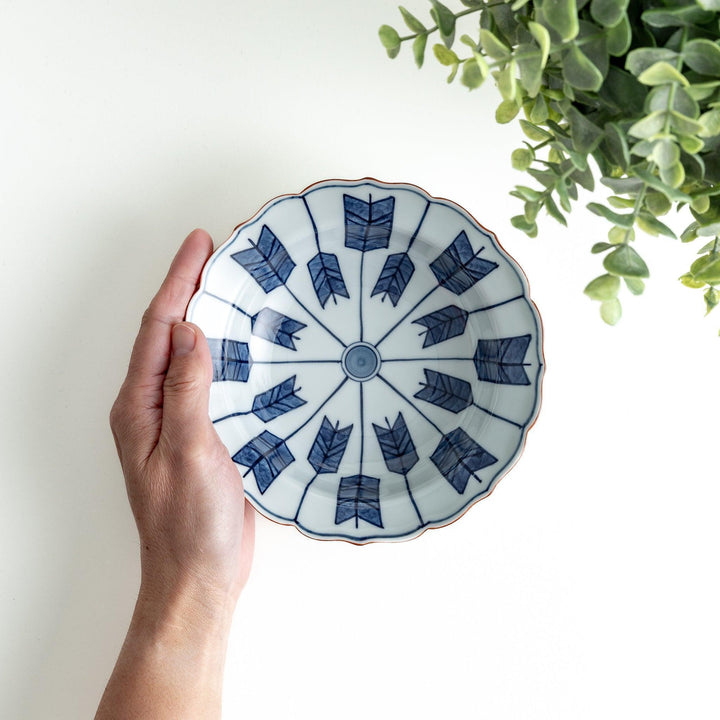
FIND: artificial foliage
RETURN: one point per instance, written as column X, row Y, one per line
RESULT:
column 627, row 92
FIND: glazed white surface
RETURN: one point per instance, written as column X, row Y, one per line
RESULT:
column 585, row 587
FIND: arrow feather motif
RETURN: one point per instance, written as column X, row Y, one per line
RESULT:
column 268, row 262
column 329, row 447
column 231, row 359
column 327, row 277
column 457, row 268
column 445, row 391
column 276, row 327
column 502, row 361
column 396, row 445
column 277, row 400
column 443, row 324
column 359, row 497
column 394, row 277
column 368, row 224
column 458, row 456
column 267, row 456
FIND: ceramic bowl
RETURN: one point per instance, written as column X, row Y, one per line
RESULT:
column 377, row 360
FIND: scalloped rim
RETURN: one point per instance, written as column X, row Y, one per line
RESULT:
column 540, row 376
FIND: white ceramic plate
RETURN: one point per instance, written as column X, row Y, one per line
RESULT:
column 377, row 359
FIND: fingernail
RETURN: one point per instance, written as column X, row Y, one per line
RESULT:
column 183, row 339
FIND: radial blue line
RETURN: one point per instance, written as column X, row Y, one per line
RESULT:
column 499, row 417
column 427, row 358
column 292, row 362
column 317, row 410
column 227, row 302
column 232, row 415
column 362, row 260
column 313, row 316
column 412, row 309
column 312, row 220
column 496, row 305
column 412, row 499
column 362, row 448
column 410, row 403
column 417, row 229
column 302, row 499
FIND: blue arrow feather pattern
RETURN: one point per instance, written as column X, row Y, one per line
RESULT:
column 502, row 361
column 368, row 224
column 394, row 277
column 329, row 447
column 359, row 497
column 268, row 261
column 327, row 277
column 458, row 456
column 276, row 327
column 396, row 445
column 443, row 324
column 445, row 391
column 277, row 401
column 231, row 359
column 457, row 268
column 267, row 456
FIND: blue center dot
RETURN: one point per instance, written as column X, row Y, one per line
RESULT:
column 360, row 361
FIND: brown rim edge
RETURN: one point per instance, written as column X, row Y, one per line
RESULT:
column 541, row 375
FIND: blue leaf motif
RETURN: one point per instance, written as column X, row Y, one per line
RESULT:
column 277, row 400
column 368, row 224
column 458, row 456
column 443, row 324
column 230, row 358
column 268, row 261
column 359, row 497
column 396, row 445
column 276, row 327
column 445, row 391
column 394, row 277
column 326, row 277
column 267, row 456
column 329, row 447
column 457, row 268
column 502, row 361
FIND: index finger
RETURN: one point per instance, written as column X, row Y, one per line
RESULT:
column 151, row 353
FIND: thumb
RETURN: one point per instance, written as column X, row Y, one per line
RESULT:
column 186, row 390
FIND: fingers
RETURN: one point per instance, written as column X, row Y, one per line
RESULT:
column 186, row 391
column 151, row 353
column 138, row 410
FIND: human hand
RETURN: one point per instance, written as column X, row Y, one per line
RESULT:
column 196, row 530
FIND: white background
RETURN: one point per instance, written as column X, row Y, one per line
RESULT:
column 585, row 587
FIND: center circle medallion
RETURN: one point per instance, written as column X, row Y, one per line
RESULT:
column 360, row 361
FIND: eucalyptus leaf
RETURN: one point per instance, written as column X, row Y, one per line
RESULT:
column 712, row 298
column 608, row 12
column 651, row 225
column 673, row 175
column 493, row 46
column 684, row 16
column 506, row 111
column 706, row 269
column 411, row 21
column 622, row 220
column 661, row 73
column 389, row 37
column 625, row 262
column 703, row 56
column 542, row 37
column 418, row 48
column 611, row 311
column 635, row 285
column 444, row 17
column 580, row 71
column 444, row 55
column 604, row 287
column 641, row 59
column 667, row 97
column 585, row 134
column 650, row 125
column 619, row 37
column 562, row 17
column 535, row 133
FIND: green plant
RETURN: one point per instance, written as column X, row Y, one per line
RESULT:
column 634, row 86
